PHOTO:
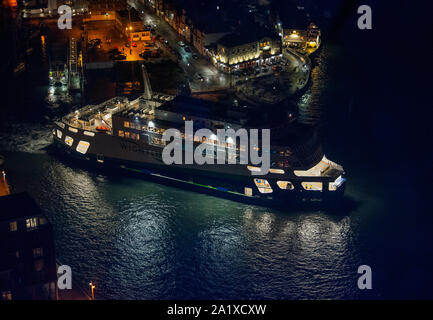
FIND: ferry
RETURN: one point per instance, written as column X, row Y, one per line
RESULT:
column 127, row 136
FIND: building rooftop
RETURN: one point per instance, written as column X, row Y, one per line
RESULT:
column 18, row 205
column 245, row 35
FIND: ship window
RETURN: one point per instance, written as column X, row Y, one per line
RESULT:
column 121, row 133
column 334, row 185
column 126, row 124
column 277, row 171
column 90, row 134
column 313, row 186
column 69, row 141
column 285, row 185
column 42, row 221
column 59, row 134
column 254, row 169
column 73, row 129
column 83, row 146
column 263, row 186
column 127, row 134
column 248, row 192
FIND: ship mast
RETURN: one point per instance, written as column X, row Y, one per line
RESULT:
column 146, row 84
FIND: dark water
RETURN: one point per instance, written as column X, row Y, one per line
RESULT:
column 139, row 240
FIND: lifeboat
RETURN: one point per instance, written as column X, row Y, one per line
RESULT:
column 102, row 128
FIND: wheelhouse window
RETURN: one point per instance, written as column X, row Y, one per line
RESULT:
column 263, row 185
column 276, row 171
column 285, row 185
column 69, row 141
column 312, row 186
column 83, row 146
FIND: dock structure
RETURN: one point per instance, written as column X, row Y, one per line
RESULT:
column 74, row 81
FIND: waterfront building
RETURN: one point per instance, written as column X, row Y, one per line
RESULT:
column 245, row 49
column 27, row 255
column 101, row 7
column 129, row 23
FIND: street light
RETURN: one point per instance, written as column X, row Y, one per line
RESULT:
column 92, row 286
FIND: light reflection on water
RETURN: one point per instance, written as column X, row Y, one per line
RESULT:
column 136, row 239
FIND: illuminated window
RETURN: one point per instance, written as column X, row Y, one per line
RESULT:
column 69, row 141
column 13, row 226
column 254, row 169
column 127, row 134
column 312, row 186
column 285, row 185
column 263, row 186
column 59, row 134
column 248, row 192
column 31, row 223
column 73, row 130
column 276, row 171
column 126, row 124
column 121, row 133
column 90, row 134
column 42, row 221
column 83, row 146
column 6, row 295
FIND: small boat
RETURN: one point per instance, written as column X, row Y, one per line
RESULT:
column 102, row 128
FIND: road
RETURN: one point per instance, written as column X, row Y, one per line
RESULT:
column 213, row 78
